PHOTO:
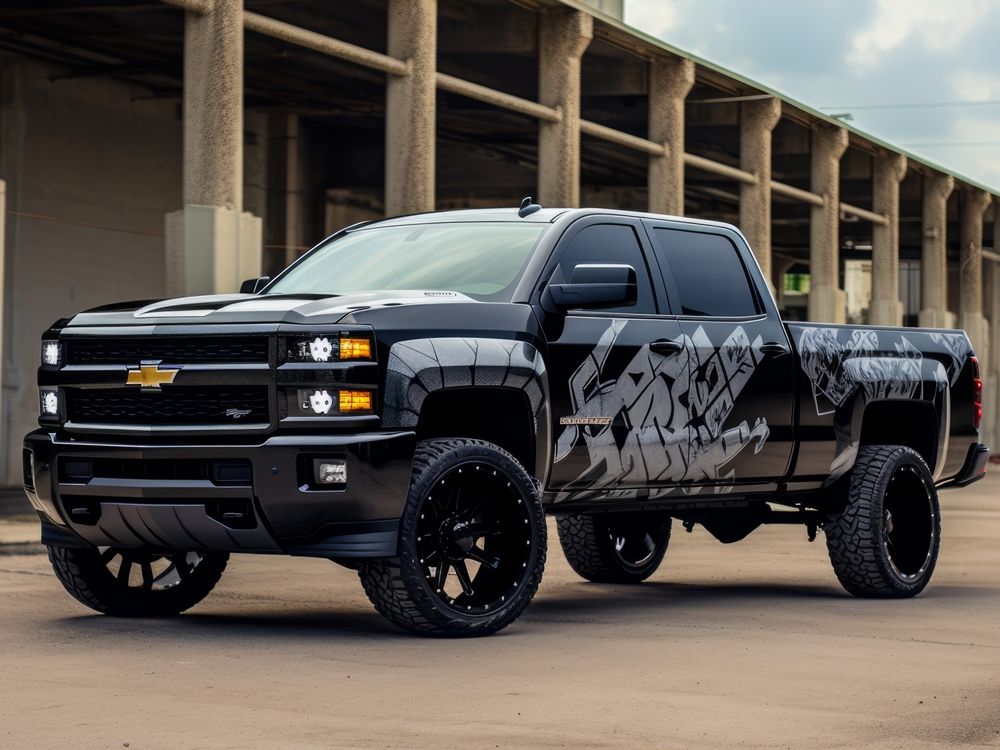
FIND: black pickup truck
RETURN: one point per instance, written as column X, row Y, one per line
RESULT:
column 411, row 397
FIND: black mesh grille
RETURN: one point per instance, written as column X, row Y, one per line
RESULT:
column 183, row 406
column 168, row 349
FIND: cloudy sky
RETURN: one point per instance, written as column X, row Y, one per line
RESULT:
column 849, row 55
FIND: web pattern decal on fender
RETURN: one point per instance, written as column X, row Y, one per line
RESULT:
column 420, row 366
column 667, row 416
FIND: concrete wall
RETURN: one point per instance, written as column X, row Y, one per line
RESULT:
column 85, row 151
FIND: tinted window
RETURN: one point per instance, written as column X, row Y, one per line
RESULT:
column 709, row 278
column 609, row 243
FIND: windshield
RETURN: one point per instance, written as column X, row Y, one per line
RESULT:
column 483, row 260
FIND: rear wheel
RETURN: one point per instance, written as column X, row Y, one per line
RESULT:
column 135, row 582
column 615, row 547
column 472, row 543
column 885, row 541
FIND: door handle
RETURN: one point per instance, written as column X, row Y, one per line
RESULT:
column 773, row 349
column 663, row 346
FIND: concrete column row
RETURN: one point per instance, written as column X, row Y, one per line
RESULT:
column 885, row 308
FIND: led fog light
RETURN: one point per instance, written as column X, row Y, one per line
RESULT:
column 50, row 402
column 51, row 353
column 330, row 472
column 320, row 402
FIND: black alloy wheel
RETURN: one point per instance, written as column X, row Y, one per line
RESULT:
column 474, row 538
column 471, row 546
column 909, row 523
column 137, row 582
column 884, row 541
column 615, row 547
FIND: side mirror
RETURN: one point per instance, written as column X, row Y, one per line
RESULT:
column 252, row 286
column 596, row 285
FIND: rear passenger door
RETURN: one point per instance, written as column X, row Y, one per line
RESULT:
column 741, row 373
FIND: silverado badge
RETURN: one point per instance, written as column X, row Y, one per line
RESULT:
column 150, row 377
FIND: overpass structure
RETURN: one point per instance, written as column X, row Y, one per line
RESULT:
column 154, row 147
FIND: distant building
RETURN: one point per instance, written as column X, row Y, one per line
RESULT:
column 153, row 149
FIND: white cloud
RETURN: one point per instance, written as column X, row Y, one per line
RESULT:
column 939, row 25
column 976, row 85
column 656, row 17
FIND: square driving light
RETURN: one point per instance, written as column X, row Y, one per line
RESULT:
column 354, row 401
column 355, row 348
column 330, row 472
column 51, row 353
column 49, row 402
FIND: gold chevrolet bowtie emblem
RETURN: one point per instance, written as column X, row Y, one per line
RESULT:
column 150, row 376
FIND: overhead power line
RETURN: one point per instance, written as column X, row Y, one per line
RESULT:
column 920, row 105
column 942, row 144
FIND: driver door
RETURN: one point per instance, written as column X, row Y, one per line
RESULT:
column 610, row 371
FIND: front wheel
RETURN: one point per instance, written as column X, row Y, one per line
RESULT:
column 884, row 542
column 471, row 546
column 615, row 547
column 135, row 582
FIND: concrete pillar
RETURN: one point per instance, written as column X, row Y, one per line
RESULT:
column 991, row 385
column 827, row 301
column 5, row 480
column 211, row 244
column 974, row 203
column 934, row 253
column 886, row 309
column 286, row 215
column 779, row 267
column 563, row 35
column 990, row 431
column 670, row 80
column 757, row 119
column 410, row 105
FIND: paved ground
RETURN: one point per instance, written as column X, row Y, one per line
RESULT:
column 749, row 644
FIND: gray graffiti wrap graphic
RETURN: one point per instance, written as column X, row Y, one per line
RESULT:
column 846, row 364
column 418, row 367
column 840, row 362
column 667, row 415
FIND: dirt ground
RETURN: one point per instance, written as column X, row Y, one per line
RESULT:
column 752, row 644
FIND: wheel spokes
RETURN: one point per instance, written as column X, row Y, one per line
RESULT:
column 147, row 574
column 463, row 577
column 481, row 557
column 442, row 575
column 124, row 570
column 482, row 528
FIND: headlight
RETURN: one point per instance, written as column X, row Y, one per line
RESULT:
column 50, row 402
column 319, row 402
column 51, row 353
column 326, row 348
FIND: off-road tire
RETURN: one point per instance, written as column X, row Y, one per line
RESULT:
column 856, row 536
column 89, row 580
column 587, row 541
column 398, row 586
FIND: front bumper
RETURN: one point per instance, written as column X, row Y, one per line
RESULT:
column 127, row 499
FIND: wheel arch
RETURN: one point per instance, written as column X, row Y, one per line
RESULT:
column 470, row 387
column 911, row 423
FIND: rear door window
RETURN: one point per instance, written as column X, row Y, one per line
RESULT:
column 704, row 273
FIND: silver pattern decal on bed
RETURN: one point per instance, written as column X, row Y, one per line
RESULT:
column 667, row 416
column 876, row 365
column 420, row 366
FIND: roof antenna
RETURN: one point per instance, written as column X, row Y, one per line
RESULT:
column 528, row 208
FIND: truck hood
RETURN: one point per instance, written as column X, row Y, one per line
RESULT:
column 255, row 308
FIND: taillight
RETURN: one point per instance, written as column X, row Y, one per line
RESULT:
column 977, row 394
